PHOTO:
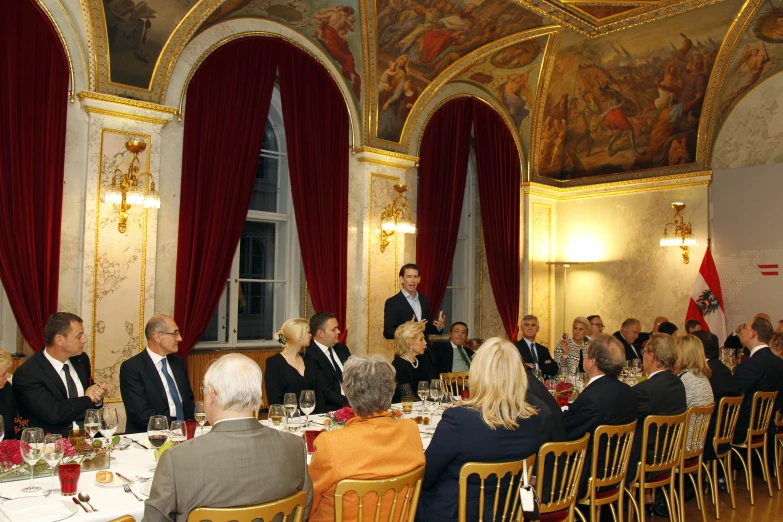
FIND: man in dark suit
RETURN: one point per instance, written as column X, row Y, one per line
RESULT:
column 409, row 304
column 535, row 355
column 452, row 355
column 217, row 468
column 762, row 371
column 539, row 396
column 733, row 340
column 596, row 325
column 627, row 335
column 155, row 381
column 605, row 400
column 661, row 394
column 53, row 388
column 325, row 357
column 645, row 336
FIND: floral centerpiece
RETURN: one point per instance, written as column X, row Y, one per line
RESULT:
column 343, row 415
column 563, row 392
column 92, row 456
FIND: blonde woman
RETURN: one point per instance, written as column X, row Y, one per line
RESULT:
column 409, row 361
column 7, row 400
column 496, row 424
column 569, row 351
column 286, row 372
column 693, row 370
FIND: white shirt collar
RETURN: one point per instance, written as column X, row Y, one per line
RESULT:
column 414, row 295
column 155, row 357
column 757, row 348
column 593, row 379
column 655, row 373
column 323, row 348
column 58, row 366
column 230, row 419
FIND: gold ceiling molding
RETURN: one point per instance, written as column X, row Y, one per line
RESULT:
column 388, row 154
column 61, row 36
column 374, row 161
column 135, row 104
column 125, row 115
column 616, row 188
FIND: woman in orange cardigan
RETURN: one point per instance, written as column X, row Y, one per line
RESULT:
column 372, row 445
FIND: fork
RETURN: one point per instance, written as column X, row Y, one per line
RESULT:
column 143, row 479
column 128, row 489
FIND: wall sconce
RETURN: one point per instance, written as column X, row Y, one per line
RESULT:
column 681, row 233
column 129, row 192
column 396, row 217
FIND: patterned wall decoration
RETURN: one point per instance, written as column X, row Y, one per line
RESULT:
column 541, row 274
column 631, row 101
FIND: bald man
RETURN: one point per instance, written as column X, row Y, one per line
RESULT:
column 733, row 340
column 645, row 336
column 155, row 381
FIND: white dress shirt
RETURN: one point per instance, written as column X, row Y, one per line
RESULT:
column 58, row 367
column 325, row 351
column 157, row 360
column 757, row 348
column 593, row 379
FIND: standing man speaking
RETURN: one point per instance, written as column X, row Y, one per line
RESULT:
column 409, row 305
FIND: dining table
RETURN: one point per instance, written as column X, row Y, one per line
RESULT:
column 136, row 462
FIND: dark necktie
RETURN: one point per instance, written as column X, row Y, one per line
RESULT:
column 173, row 391
column 72, row 391
column 464, row 356
column 337, row 369
column 534, row 353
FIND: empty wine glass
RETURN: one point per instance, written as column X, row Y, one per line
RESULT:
column 157, row 430
column 435, row 391
column 201, row 415
column 54, row 448
column 424, row 391
column 32, row 449
column 289, row 403
column 307, row 403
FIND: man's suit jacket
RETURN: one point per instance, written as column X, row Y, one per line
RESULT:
column 661, row 394
column 398, row 310
column 143, row 393
column 537, row 390
column 367, row 448
column 442, row 357
column 42, row 398
column 762, row 372
column 546, row 364
column 631, row 352
column 723, row 385
column 237, row 463
column 605, row 402
column 326, row 380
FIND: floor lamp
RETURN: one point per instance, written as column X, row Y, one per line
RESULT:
column 566, row 265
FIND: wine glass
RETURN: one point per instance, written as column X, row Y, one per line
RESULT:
column 32, row 449
column 289, row 403
column 157, row 430
column 109, row 423
column 307, row 403
column 424, row 391
column 2, row 428
column 54, row 447
column 276, row 414
column 92, row 422
column 435, row 391
column 201, row 415
column 177, row 431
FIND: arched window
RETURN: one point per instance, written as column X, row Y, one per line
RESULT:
column 263, row 288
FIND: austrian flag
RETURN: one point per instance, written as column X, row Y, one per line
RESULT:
column 706, row 304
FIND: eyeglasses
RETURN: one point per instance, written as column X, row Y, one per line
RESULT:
column 598, row 325
column 175, row 333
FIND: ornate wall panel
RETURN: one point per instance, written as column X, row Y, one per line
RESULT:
column 541, row 274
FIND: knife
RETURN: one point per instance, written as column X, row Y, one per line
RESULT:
column 123, row 477
column 138, row 443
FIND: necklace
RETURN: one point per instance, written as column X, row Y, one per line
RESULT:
column 414, row 362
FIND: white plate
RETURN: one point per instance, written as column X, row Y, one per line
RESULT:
column 36, row 510
column 145, row 488
column 117, row 482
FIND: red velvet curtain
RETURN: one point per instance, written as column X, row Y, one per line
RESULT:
column 317, row 136
column 227, row 107
column 33, row 106
column 498, row 169
column 443, row 169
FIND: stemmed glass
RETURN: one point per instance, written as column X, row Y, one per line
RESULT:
column 2, row 429
column 92, row 422
column 109, row 423
column 276, row 413
column 435, row 391
column 157, row 430
column 201, row 415
column 32, row 449
column 307, row 403
column 289, row 403
column 424, row 391
column 54, row 448
column 177, row 431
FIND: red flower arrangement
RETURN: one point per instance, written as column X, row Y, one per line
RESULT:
column 11, row 453
column 344, row 414
column 563, row 392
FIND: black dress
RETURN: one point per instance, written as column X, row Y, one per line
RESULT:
column 407, row 374
column 281, row 378
column 8, row 410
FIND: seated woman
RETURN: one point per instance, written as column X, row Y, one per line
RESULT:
column 286, row 372
column 7, row 400
column 409, row 362
column 495, row 425
column 694, row 372
column 570, row 352
column 372, row 444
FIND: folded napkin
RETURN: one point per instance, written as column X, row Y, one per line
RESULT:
column 36, row 509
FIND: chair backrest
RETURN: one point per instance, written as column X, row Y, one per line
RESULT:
column 761, row 413
column 294, row 504
column 407, row 484
column 664, row 433
column 612, row 447
column 558, row 473
column 726, row 423
column 696, row 424
column 454, row 382
column 499, row 470
column 123, row 518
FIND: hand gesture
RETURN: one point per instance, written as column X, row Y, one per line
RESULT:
column 441, row 321
column 564, row 346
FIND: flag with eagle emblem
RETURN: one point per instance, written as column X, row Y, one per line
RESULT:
column 706, row 304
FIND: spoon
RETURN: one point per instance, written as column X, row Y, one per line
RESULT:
column 84, row 497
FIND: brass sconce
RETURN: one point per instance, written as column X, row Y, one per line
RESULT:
column 681, row 233
column 396, row 217
column 129, row 190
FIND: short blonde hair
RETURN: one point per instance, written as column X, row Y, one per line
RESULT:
column 690, row 355
column 404, row 334
column 776, row 343
column 663, row 349
column 293, row 331
column 498, row 385
column 6, row 361
column 584, row 323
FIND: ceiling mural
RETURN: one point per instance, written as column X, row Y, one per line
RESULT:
column 630, row 101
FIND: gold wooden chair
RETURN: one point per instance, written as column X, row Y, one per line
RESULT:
column 500, row 470
column 557, row 482
column 696, row 425
column 667, row 434
column 612, row 445
column 725, row 424
column 294, row 504
column 778, row 445
column 761, row 411
column 408, row 484
column 454, row 382
column 124, row 518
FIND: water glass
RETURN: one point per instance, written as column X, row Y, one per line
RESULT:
column 407, row 403
column 69, row 478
